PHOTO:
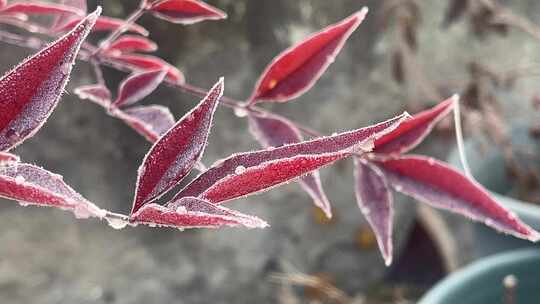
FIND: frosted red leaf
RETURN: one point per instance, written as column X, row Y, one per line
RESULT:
column 191, row 212
column 411, row 132
column 30, row 91
column 274, row 131
column 374, row 198
column 150, row 121
column 138, row 86
column 185, row 11
column 6, row 157
column 132, row 43
column 104, row 24
column 267, row 175
column 359, row 140
column 39, row 8
column 435, row 183
column 173, row 156
column 296, row 70
column 96, row 93
column 3, row 3
column 148, row 62
column 29, row 184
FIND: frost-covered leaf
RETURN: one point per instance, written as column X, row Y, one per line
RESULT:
column 150, row 121
column 374, row 198
column 191, row 212
column 132, row 43
column 173, row 156
column 149, row 63
column 6, row 157
column 30, row 91
column 411, row 132
column 267, row 175
column 104, row 24
column 29, row 184
column 185, row 11
column 297, row 69
column 274, row 131
column 3, row 3
column 359, row 140
column 435, row 183
column 39, row 8
column 138, row 86
column 96, row 93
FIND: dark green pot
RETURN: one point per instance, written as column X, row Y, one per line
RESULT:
column 481, row 282
column 487, row 166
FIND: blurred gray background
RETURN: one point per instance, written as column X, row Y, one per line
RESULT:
column 47, row 256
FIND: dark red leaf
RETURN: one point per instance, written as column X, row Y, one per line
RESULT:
column 29, row 184
column 150, row 121
column 411, row 132
column 6, row 157
column 375, row 201
column 191, row 212
column 147, row 63
column 96, row 93
column 138, row 86
column 30, row 91
column 274, row 131
column 40, row 8
column 297, row 69
column 359, row 140
column 185, row 11
column 267, row 175
column 105, row 24
column 173, row 156
column 131, row 43
column 435, row 183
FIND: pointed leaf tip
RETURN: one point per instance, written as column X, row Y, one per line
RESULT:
column 173, row 156
column 31, row 91
column 296, row 69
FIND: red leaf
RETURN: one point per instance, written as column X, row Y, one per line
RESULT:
column 274, row 131
column 40, row 8
column 105, row 24
column 30, row 91
column 191, row 212
column 147, row 63
column 62, row 19
column 374, row 198
column 172, row 157
column 131, row 43
column 3, row 3
column 297, row 69
column 269, row 174
column 29, row 184
column 360, row 139
column 149, row 121
column 138, row 86
column 411, row 132
column 185, row 11
column 96, row 93
column 435, row 183
column 6, row 158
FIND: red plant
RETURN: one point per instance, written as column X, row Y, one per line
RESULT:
column 31, row 91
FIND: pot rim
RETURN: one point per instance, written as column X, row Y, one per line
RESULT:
column 491, row 264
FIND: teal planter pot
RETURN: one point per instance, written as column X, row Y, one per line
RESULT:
column 481, row 282
column 488, row 168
